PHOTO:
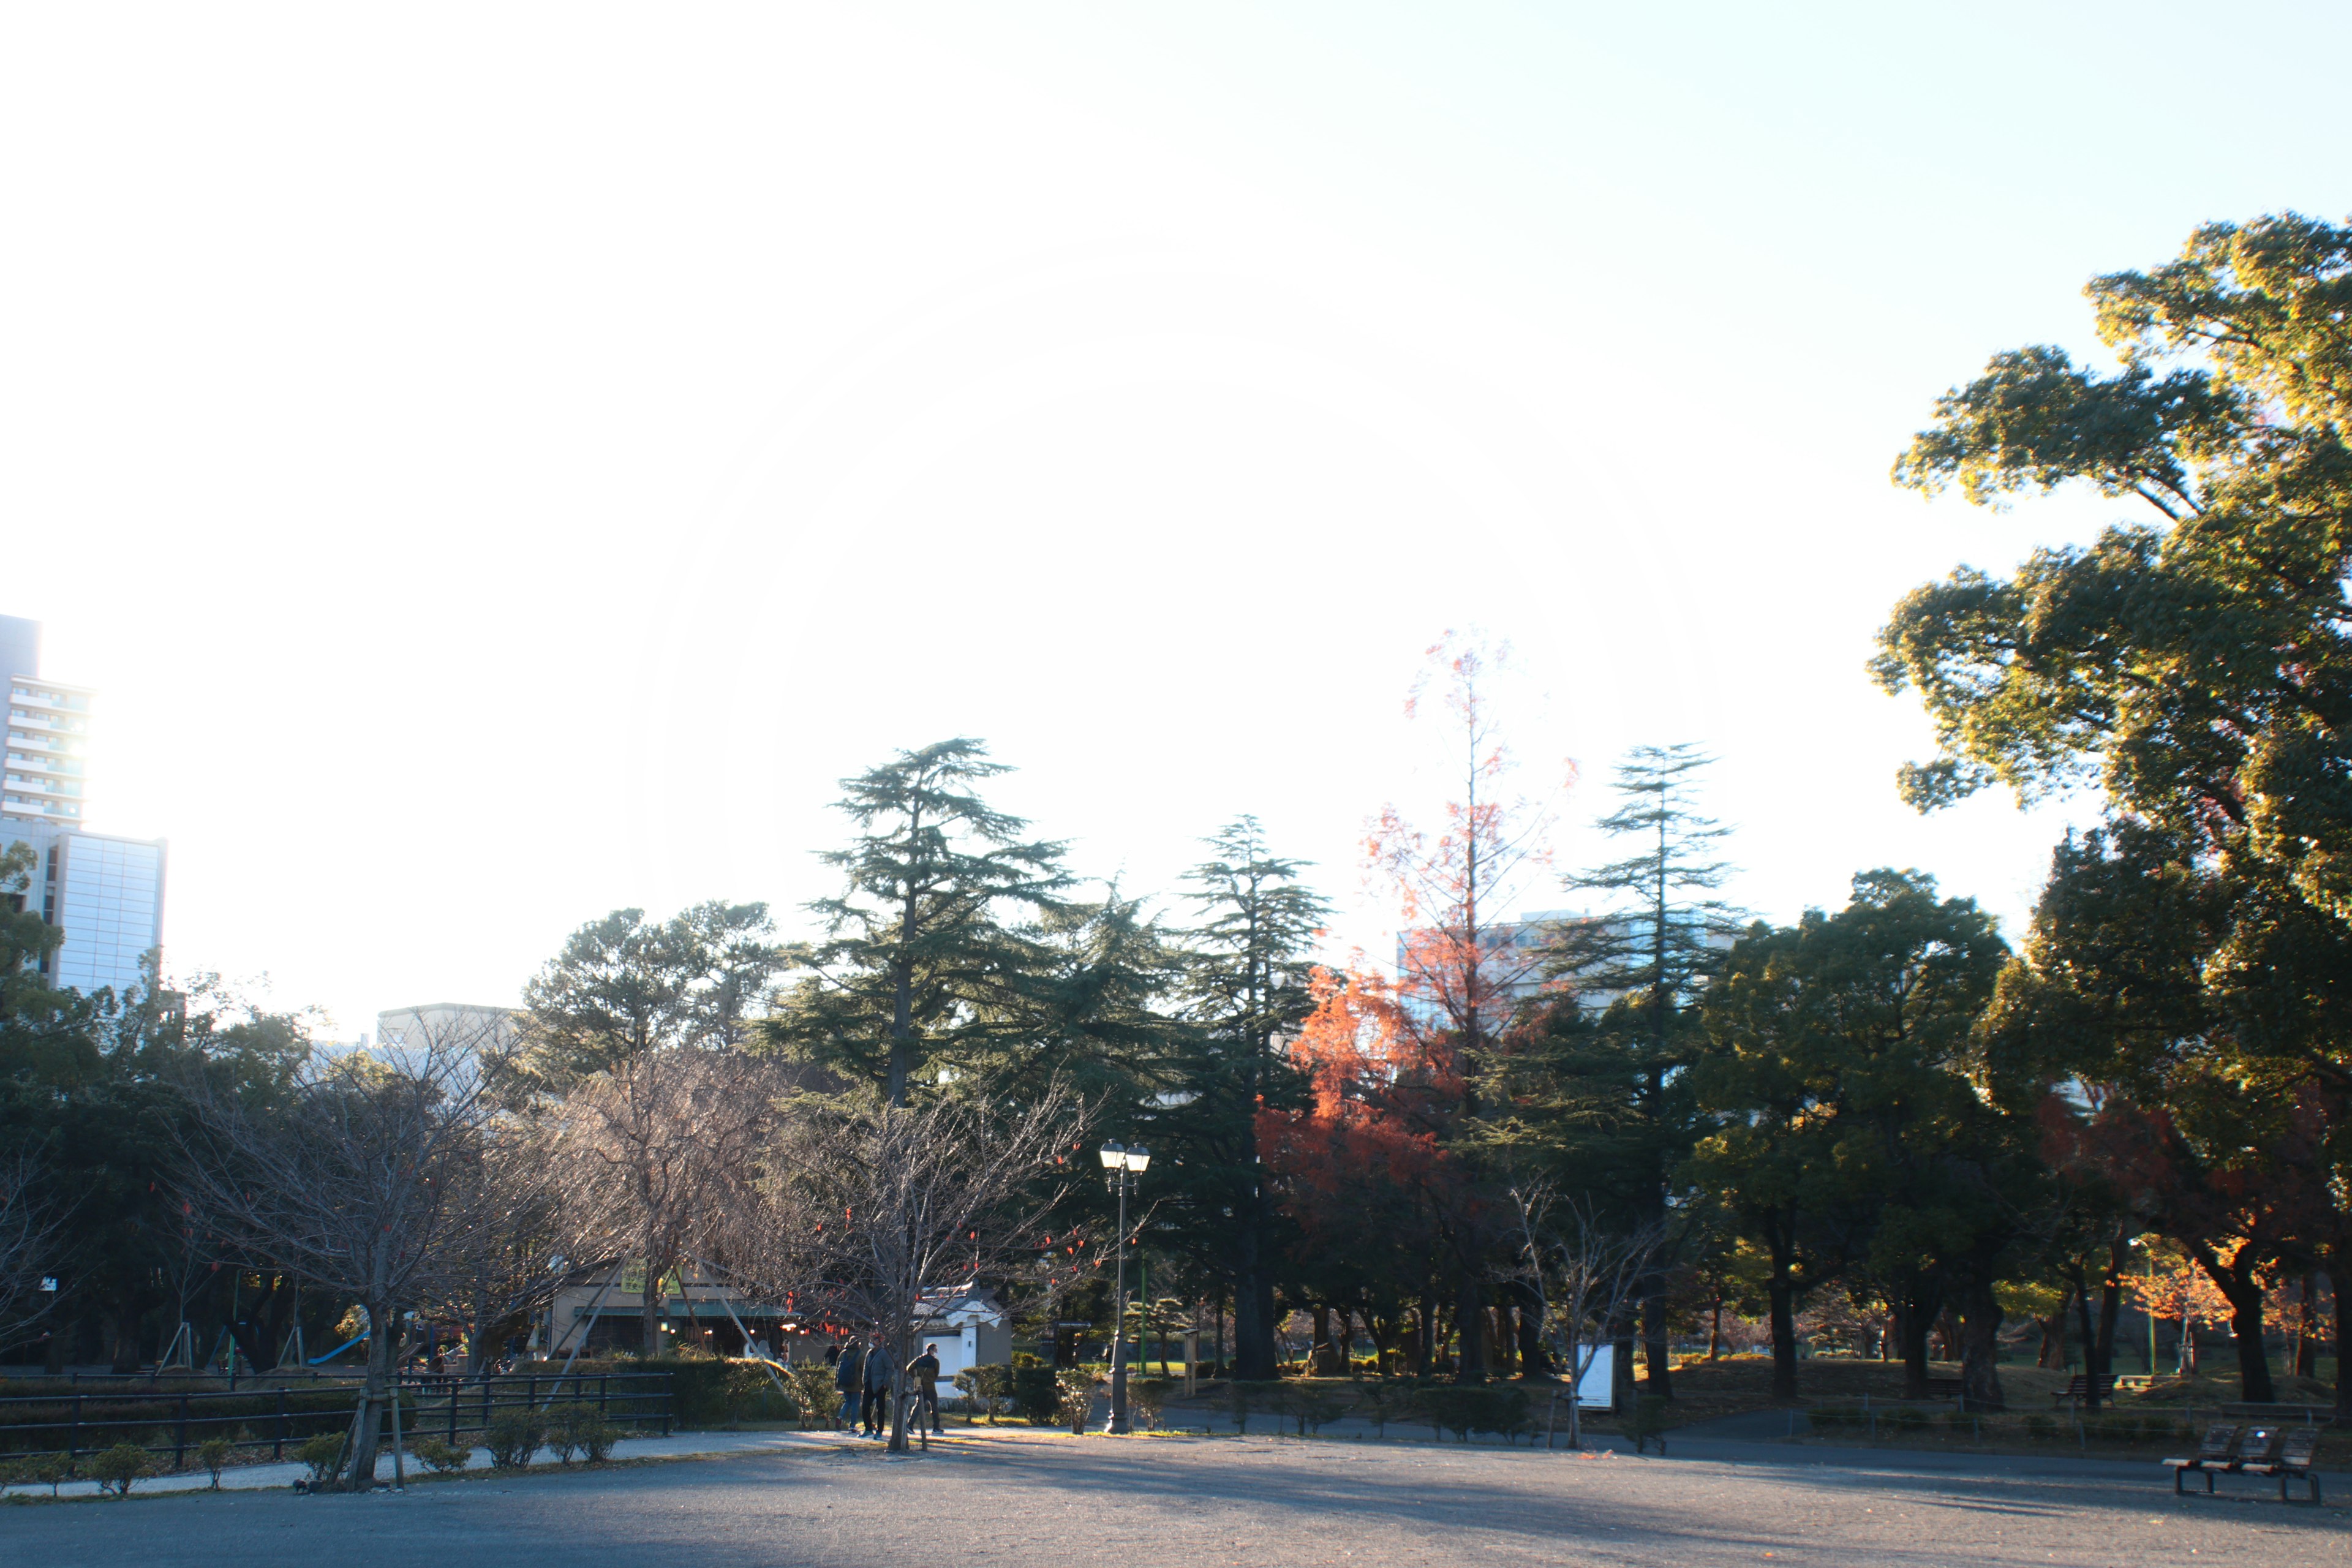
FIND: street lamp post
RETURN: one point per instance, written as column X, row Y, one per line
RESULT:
column 1126, row 1165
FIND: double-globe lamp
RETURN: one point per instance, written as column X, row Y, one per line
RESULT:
column 1125, row 1164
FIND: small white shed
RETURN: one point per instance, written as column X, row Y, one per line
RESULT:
column 968, row 1325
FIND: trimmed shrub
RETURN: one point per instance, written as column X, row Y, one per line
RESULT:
column 1245, row 1397
column 597, row 1436
column 440, row 1456
column 556, row 1432
column 1381, row 1400
column 1147, row 1395
column 1308, row 1406
column 1075, row 1385
column 116, row 1469
column 2041, row 1427
column 581, row 1429
column 214, row 1454
column 513, row 1437
column 323, row 1454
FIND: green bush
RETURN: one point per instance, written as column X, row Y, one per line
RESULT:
column 1830, row 1417
column 214, row 1455
column 1503, row 1412
column 813, row 1392
column 597, row 1438
column 2041, row 1427
column 440, row 1455
column 1446, row 1407
column 514, row 1436
column 581, row 1429
column 1036, row 1396
column 323, row 1454
column 1906, row 1418
column 116, row 1469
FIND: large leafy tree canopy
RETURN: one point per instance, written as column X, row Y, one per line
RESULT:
column 2201, row 660
column 2187, row 971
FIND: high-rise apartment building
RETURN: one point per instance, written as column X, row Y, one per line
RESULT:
column 48, row 733
column 106, row 892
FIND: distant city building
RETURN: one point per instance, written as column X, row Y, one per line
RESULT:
column 1517, row 954
column 463, row 1024
column 48, row 733
column 106, row 893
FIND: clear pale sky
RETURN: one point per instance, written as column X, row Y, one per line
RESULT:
column 500, row 464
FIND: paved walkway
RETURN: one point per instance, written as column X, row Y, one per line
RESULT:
column 1020, row 1498
column 679, row 1445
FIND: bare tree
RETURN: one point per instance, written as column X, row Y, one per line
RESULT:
column 865, row 1206
column 646, row 1155
column 31, row 1231
column 1587, row 1276
column 509, row 1258
column 359, row 1182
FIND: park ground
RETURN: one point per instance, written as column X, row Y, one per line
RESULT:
column 1023, row 1498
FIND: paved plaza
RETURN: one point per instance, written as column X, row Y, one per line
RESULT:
column 1032, row 1499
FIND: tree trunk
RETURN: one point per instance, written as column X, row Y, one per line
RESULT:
column 1783, row 1293
column 2053, row 1351
column 2246, row 1330
column 1319, row 1354
column 1470, row 1319
column 650, row 1324
column 1980, row 1349
column 2306, row 1338
column 361, row 1472
column 1253, row 1320
column 1916, row 1314
column 1657, row 1355
column 1714, row 1332
column 2340, row 1283
column 1534, row 1359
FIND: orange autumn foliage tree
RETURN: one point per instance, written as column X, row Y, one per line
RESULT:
column 1361, row 1177
column 1397, row 1065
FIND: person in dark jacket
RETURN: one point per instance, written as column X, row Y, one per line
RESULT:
column 849, row 1382
column 925, row 1372
column 878, row 1384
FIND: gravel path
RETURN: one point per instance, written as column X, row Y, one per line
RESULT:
column 1019, row 1499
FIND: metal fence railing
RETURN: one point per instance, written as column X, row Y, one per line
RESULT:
column 82, row 1419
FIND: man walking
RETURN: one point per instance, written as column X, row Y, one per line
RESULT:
column 878, row 1384
column 924, row 1370
column 849, row 1382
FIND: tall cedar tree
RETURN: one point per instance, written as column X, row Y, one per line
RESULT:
column 2199, row 666
column 1463, row 964
column 1650, row 957
column 919, row 967
column 1246, row 994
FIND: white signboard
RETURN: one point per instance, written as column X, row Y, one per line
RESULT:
column 1593, row 1389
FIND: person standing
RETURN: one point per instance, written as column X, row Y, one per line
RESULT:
column 849, row 1382
column 878, row 1384
column 925, row 1371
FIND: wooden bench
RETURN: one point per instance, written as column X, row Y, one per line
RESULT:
column 2293, row 1463
column 2229, row 1451
column 2078, row 1389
